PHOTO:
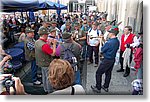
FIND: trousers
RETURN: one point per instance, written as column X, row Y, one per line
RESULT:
column 121, row 62
column 46, row 83
column 106, row 67
column 94, row 49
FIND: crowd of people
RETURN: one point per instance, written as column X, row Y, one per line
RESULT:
column 47, row 42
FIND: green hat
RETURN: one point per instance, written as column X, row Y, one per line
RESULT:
column 43, row 30
column 47, row 22
column 67, row 23
column 52, row 30
column 76, row 24
column 114, row 29
column 104, row 16
column 53, row 22
column 66, row 35
column 28, row 30
column 95, row 23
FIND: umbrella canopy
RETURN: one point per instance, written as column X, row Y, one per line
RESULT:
column 29, row 5
column 60, row 6
column 46, row 4
column 19, row 5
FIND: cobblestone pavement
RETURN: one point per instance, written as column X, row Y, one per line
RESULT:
column 119, row 85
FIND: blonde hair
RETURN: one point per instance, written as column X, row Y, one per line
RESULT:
column 61, row 74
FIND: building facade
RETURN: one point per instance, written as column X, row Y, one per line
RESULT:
column 130, row 12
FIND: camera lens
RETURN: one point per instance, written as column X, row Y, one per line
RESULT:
column 9, row 83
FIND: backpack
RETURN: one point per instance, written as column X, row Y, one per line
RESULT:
column 70, row 57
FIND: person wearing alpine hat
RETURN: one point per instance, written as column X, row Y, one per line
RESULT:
column 29, row 46
column 109, row 50
column 44, row 55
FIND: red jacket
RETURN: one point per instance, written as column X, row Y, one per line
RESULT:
column 138, row 57
column 129, row 40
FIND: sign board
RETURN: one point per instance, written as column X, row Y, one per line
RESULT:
column 92, row 8
column 81, row 1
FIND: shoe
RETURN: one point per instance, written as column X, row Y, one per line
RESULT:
column 105, row 89
column 89, row 62
column 37, row 83
column 120, row 70
column 132, row 68
column 45, row 93
column 126, row 74
column 96, row 65
column 81, row 60
column 94, row 88
column 39, row 75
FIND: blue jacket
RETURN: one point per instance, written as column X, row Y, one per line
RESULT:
column 110, row 48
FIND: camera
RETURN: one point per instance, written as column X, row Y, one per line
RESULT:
column 8, row 82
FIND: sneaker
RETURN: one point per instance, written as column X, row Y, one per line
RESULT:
column 96, row 65
column 105, row 89
column 37, row 83
column 94, row 88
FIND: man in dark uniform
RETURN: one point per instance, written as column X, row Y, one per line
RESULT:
column 109, row 51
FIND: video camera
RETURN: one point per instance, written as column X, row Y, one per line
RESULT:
column 7, row 83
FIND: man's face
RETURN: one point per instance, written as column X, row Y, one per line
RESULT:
column 67, row 26
column 126, row 31
column 76, row 27
column 109, row 35
column 45, row 36
column 103, row 19
column 30, row 34
column 108, row 27
column 53, row 33
column 45, row 24
column 94, row 27
column 54, row 24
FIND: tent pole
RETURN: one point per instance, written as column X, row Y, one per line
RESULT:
column 15, row 18
column 22, row 17
column 48, row 14
column 27, row 17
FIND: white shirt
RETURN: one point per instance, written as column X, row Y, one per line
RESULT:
column 57, row 31
column 135, row 41
column 93, row 33
column 78, row 90
column 63, row 27
column 106, row 35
